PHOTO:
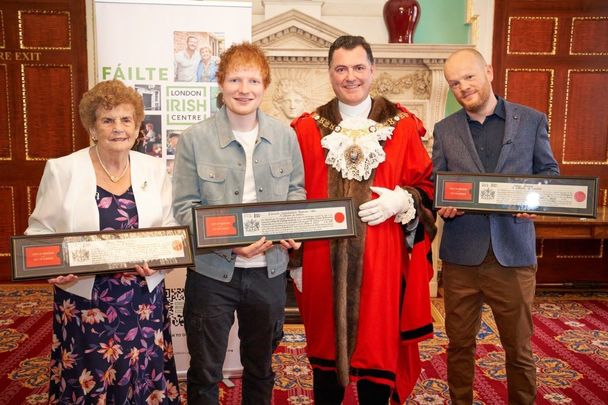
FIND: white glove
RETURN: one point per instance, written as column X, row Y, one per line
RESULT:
column 296, row 276
column 389, row 203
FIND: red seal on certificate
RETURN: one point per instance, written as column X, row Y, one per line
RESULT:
column 177, row 245
column 580, row 196
column 339, row 217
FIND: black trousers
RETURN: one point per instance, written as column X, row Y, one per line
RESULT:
column 209, row 310
column 328, row 391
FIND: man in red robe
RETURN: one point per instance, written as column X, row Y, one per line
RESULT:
column 365, row 301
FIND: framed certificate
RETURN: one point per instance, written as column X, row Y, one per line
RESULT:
column 506, row 193
column 219, row 226
column 51, row 255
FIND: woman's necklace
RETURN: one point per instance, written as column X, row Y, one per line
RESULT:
column 113, row 179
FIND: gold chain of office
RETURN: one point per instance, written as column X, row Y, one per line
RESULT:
column 327, row 124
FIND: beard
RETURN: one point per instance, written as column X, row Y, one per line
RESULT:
column 478, row 103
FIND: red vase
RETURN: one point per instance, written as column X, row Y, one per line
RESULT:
column 401, row 18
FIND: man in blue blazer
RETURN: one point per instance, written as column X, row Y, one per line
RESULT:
column 489, row 258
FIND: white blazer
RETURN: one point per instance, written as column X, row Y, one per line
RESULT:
column 66, row 202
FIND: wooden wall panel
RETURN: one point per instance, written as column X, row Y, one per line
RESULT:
column 579, row 249
column 553, row 56
column 7, row 220
column 589, row 36
column 576, row 262
column 2, row 36
column 586, row 87
column 43, row 54
column 43, row 104
column 532, row 35
column 533, row 87
column 44, row 29
column 5, row 117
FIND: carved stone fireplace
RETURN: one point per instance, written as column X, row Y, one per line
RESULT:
column 297, row 46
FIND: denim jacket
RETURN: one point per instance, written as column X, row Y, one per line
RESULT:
column 210, row 170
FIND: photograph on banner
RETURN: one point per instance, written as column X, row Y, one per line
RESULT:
column 170, row 54
column 150, row 139
column 151, row 96
column 170, row 164
column 173, row 136
column 197, row 55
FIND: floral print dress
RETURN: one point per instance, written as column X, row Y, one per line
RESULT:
column 115, row 348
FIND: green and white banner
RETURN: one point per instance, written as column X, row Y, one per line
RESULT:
column 168, row 51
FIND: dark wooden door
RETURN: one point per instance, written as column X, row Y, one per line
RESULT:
column 553, row 55
column 43, row 73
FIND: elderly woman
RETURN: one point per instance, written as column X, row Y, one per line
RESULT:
column 207, row 67
column 111, row 337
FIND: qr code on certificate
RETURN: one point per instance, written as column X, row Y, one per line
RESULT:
column 175, row 298
column 488, row 194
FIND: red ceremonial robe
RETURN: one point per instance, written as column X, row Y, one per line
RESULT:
column 392, row 294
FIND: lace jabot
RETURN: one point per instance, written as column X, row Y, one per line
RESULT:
column 354, row 147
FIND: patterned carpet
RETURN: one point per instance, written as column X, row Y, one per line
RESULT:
column 570, row 344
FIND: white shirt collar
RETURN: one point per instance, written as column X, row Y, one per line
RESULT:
column 359, row 110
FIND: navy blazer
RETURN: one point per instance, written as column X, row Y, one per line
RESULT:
column 525, row 150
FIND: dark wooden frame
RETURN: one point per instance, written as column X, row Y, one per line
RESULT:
column 471, row 184
column 235, row 213
column 49, row 254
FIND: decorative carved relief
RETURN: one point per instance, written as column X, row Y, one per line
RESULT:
column 296, row 32
column 290, row 97
column 294, row 91
column 296, row 29
column 417, row 84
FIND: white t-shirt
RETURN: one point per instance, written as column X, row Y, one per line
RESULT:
column 185, row 66
column 247, row 141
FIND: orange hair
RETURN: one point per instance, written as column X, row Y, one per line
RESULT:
column 243, row 55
